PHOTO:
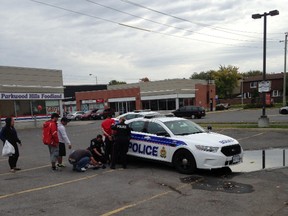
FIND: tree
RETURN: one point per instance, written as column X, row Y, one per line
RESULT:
column 226, row 80
column 251, row 73
column 208, row 75
column 115, row 82
column 145, row 79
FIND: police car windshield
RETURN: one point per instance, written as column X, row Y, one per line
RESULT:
column 183, row 127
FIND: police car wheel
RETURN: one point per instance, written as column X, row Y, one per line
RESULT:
column 184, row 161
column 192, row 116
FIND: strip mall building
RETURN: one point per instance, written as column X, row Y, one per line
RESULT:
column 30, row 94
column 154, row 95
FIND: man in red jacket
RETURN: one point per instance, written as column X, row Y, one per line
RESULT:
column 52, row 139
column 107, row 131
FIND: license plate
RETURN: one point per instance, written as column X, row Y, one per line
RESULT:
column 236, row 159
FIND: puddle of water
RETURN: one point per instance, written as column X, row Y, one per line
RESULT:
column 252, row 160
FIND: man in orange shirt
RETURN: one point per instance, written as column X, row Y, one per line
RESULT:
column 107, row 131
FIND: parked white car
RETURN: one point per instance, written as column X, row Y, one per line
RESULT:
column 75, row 115
column 283, row 110
column 182, row 143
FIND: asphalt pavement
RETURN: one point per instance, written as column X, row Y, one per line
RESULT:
column 145, row 188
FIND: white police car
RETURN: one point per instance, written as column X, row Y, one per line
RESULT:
column 182, row 143
column 135, row 114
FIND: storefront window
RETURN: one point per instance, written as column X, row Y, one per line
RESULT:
column 7, row 109
column 146, row 104
column 171, row 104
column 23, row 108
column 162, row 104
column 38, row 107
column 154, row 105
column 52, row 107
column 186, row 102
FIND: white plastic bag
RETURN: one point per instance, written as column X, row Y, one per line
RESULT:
column 8, row 149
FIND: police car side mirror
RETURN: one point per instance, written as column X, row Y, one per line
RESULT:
column 209, row 128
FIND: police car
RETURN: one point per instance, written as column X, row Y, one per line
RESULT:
column 182, row 143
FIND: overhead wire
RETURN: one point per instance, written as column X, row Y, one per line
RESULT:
column 230, row 31
column 153, row 21
column 135, row 27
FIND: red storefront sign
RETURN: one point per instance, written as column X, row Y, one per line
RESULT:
column 268, row 98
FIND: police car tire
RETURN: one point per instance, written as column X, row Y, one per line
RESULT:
column 192, row 116
column 178, row 159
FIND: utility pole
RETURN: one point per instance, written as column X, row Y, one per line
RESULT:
column 284, row 77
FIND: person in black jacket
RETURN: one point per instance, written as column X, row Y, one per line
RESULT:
column 9, row 133
column 121, row 144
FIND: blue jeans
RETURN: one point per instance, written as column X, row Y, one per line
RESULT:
column 81, row 163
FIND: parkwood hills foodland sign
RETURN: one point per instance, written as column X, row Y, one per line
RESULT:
column 31, row 96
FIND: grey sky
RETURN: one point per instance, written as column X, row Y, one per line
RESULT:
column 177, row 37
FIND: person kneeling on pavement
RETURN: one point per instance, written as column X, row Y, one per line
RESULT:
column 96, row 146
column 80, row 159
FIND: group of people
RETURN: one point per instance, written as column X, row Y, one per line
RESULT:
column 100, row 153
column 109, row 151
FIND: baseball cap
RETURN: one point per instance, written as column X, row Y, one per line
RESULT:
column 54, row 115
column 64, row 119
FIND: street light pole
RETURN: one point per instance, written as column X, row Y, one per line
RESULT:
column 242, row 91
column 95, row 78
column 284, row 73
column 263, row 120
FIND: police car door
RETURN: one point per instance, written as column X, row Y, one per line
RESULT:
column 151, row 142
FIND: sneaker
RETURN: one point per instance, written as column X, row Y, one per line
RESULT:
column 17, row 168
column 54, row 168
column 61, row 165
column 12, row 170
column 82, row 169
column 89, row 166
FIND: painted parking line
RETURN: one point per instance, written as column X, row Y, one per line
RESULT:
column 25, row 170
column 116, row 211
column 259, row 134
column 52, row 185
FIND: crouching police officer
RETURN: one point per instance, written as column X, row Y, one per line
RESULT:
column 121, row 143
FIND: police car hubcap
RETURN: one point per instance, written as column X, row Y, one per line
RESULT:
column 184, row 161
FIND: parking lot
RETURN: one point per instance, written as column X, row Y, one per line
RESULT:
column 145, row 188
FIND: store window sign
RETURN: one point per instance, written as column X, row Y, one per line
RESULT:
column 32, row 96
column 52, row 109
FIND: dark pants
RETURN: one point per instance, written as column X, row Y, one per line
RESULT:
column 99, row 158
column 120, row 149
column 108, row 149
column 14, row 158
column 82, row 163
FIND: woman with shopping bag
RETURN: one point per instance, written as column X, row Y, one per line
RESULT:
column 9, row 133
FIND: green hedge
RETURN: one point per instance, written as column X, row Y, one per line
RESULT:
column 255, row 105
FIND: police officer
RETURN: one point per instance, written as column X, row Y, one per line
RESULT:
column 120, row 147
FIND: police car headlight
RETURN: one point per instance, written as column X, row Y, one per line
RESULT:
column 207, row 148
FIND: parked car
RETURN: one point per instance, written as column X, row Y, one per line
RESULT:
column 103, row 113
column 75, row 115
column 135, row 114
column 283, row 110
column 88, row 114
column 190, row 111
column 222, row 106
